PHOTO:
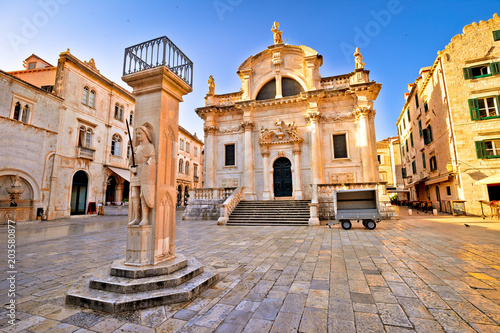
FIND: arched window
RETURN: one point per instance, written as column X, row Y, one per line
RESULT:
column 180, row 165
column 290, row 87
column 26, row 114
column 85, row 97
column 131, row 119
column 92, row 99
column 186, row 168
column 85, row 137
column 17, row 111
column 268, row 91
column 116, row 145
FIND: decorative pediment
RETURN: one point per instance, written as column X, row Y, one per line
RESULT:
column 282, row 134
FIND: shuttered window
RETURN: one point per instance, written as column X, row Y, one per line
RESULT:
column 488, row 148
column 484, row 108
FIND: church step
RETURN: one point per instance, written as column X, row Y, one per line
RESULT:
column 268, row 223
column 270, row 212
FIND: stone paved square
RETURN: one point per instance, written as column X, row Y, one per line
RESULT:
column 421, row 273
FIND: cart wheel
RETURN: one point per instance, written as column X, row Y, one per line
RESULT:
column 346, row 224
column 370, row 224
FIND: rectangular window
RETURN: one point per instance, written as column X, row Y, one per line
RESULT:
column 424, row 163
column 195, row 151
column 32, row 65
column 426, row 107
column 420, row 127
column 416, row 100
column 488, row 148
column 181, row 144
column 481, row 70
column 408, row 115
column 427, row 132
column 482, row 108
column 406, row 145
column 229, row 155
column 404, row 124
column 414, row 167
column 380, row 159
column 403, row 171
column 339, row 146
column 496, row 35
column 411, row 139
column 448, row 190
column 47, row 88
column 432, row 163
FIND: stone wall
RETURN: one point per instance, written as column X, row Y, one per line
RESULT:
column 203, row 209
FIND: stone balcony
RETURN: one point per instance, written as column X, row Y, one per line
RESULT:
column 83, row 152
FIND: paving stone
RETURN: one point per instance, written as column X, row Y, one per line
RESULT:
column 362, row 298
column 393, row 314
column 107, row 325
column 481, row 328
column 483, row 304
column 368, row 322
column 340, row 309
column 314, row 320
column 43, row 326
column 320, row 284
column 294, row 303
column 431, row 299
column 215, row 316
column 368, row 308
column 258, row 325
column 414, row 307
column 247, row 306
column 383, row 295
column 286, row 322
column 339, row 325
column 133, row 328
column 185, row 314
column 400, row 289
column 268, row 309
column 229, row 328
column 450, row 321
column 317, row 299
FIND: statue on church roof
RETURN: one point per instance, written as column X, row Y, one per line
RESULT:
column 277, row 33
column 211, row 85
column 358, row 60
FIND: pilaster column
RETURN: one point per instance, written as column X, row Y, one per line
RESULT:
column 248, row 168
column 316, row 165
column 277, row 62
column 297, row 178
column 266, row 194
column 366, row 143
column 210, row 148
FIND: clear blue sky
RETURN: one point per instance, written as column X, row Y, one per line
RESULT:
column 396, row 38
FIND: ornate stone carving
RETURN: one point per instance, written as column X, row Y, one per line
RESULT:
column 284, row 133
column 211, row 85
column 313, row 116
column 248, row 125
column 277, row 61
column 15, row 190
column 358, row 60
column 143, row 176
column 229, row 182
column 336, row 117
column 232, row 129
column 277, row 33
column 364, row 112
column 210, row 129
column 341, row 178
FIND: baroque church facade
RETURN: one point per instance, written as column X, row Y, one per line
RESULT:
column 288, row 128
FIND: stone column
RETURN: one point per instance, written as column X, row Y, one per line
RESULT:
column 157, row 93
column 248, row 168
column 367, row 143
column 297, row 178
column 316, row 165
column 266, row 194
column 210, row 149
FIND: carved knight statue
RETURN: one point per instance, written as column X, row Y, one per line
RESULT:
column 143, row 177
column 358, row 59
column 211, row 85
column 277, row 33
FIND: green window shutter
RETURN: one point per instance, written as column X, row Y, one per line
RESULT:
column 420, row 127
column 416, row 100
column 429, row 132
column 495, row 68
column 411, row 139
column 408, row 113
column 474, row 109
column 424, row 164
column 480, row 149
column 496, row 35
column 498, row 104
column 467, row 73
column 426, row 107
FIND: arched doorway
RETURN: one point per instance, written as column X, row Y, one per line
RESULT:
column 79, row 193
column 186, row 195
column 179, row 195
column 282, row 177
column 111, row 189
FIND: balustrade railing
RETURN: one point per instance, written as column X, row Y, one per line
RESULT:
column 226, row 99
column 335, row 82
column 211, row 193
column 230, row 204
column 158, row 52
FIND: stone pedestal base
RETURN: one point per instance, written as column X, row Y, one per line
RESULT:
column 313, row 209
column 124, row 288
column 139, row 245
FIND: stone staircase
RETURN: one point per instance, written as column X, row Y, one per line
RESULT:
column 270, row 212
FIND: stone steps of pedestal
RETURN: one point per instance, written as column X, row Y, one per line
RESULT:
column 80, row 294
column 271, row 212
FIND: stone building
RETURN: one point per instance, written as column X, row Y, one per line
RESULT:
column 29, row 121
column 449, row 127
column 90, row 162
column 289, row 130
column 190, row 165
column 389, row 162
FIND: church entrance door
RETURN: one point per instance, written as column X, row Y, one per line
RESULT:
column 282, row 177
column 79, row 193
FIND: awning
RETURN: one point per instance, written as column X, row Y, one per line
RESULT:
column 124, row 173
column 495, row 179
column 438, row 180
